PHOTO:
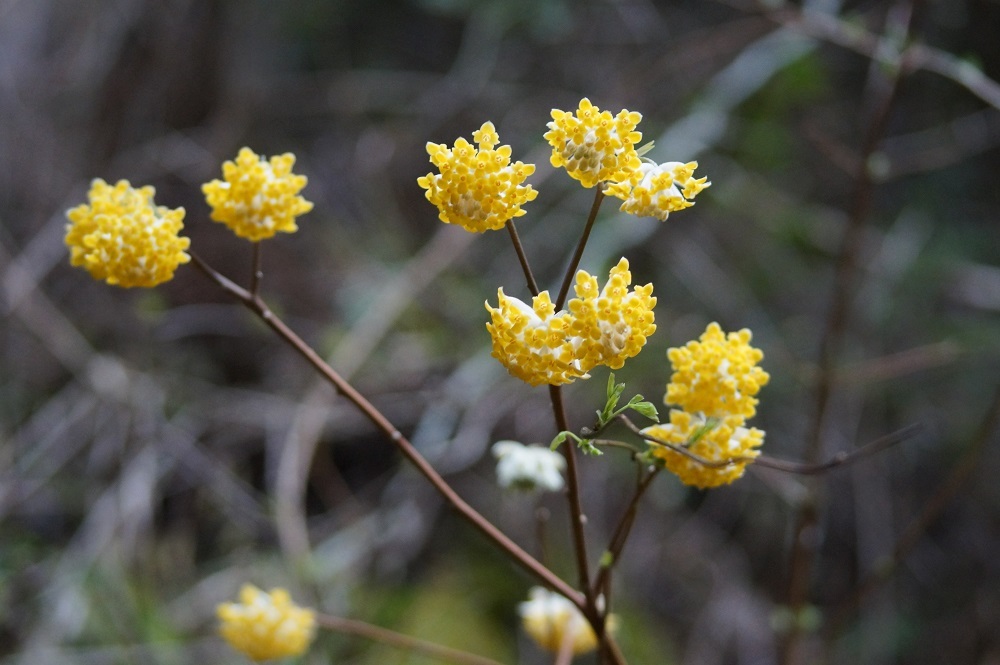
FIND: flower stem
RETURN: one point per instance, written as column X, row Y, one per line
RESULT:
column 400, row 641
column 522, row 257
column 617, row 543
column 257, row 271
column 259, row 307
column 573, row 492
column 578, row 254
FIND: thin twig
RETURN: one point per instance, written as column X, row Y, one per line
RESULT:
column 612, row 443
column 578, row 254
column 522, row 257
column 257, row 271
column 617, row 543
column 913, row 57
column 800, row 468
column 577, row 517
column 260, row 308
column 608, row 649
column 401, row 641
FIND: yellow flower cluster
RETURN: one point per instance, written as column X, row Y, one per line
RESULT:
column 124, row 238
column 659, row 189
column 533, row 343
column 612, row 324
column 257, row 197
column 593, row 145
column 549, row 618
column 600, row 327
column 266, row 625
column 477, row 188
column 717, row 375
column 714, row 382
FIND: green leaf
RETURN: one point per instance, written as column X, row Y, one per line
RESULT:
column 646, row 409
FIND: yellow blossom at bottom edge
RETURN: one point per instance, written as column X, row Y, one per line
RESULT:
column 266, row 625
column 549, row 619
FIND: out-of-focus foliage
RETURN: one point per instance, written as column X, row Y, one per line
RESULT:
column 152, row 445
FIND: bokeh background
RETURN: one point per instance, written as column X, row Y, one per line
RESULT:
column 159, row 448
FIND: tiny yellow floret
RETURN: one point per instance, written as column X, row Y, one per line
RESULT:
column 257, row 197
column 477, row 188
column 601, row 326
column 549, row 619
column 594, row 146
column 714, row 441
column 659, row 189
column 123, row 238
column 266, row 625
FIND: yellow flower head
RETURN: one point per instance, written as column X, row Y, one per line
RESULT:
column 534, row 343
column 477, row 188
column 717, row 376
column 550, row 618
column 659, row 190
column 593, row 145
column 601, row 327
column 124, row 238
column 257, row 197
column 266, row 625
column 714, row 441
column 612, row 323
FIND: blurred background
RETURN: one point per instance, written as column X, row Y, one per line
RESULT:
column 159, row 448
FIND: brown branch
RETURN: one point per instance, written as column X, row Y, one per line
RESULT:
column 577, row 517
column 522, row 257
column 608, row 650
column 915, row 56
column 617, row 543
column 800, row 468
column 345, row 389
column 257, row 272
column 578, row 254
column 401, row 641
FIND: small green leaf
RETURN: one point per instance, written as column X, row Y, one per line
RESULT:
column 615, row 390
column 647, row 410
